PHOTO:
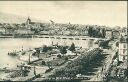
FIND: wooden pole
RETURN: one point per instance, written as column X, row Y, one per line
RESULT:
column 29, row 59
column 34, row 70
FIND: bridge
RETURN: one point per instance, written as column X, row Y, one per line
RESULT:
column 60, row 37
column 68, row 37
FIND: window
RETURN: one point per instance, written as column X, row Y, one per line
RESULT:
column 123, row 57
column 124, row 51
column 124, row 45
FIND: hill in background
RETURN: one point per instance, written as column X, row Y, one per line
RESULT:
column 11, row 18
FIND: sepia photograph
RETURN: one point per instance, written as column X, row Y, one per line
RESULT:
column 63, row 41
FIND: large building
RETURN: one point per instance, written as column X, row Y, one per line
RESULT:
column 2, row 30
column 124, row 31
column 115, row 34
column 123, row 49
column 28, row 21
column 29, row 24
column 108, row 34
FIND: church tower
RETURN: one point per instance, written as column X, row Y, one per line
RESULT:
column 28, row 21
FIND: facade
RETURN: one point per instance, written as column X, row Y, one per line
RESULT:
column 108, row 34
column 2, row 30
column 29, row 24
column 28, row 21
column 123, row 32
column 23, row 31
column 9, row 31
column 123, row 49
column 115, row 34
column 44, row 32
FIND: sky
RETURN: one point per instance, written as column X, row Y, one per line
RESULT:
column 109, row 13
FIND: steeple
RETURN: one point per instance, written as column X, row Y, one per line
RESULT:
column 28, row 21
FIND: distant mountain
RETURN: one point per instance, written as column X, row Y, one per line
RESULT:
column 11, row 18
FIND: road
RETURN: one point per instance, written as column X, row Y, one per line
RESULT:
column 107, row 64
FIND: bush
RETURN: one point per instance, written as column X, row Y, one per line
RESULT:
column 66, row 58
column 72, row 47
column 59, row 56
column 63, row 50
column 43, row 63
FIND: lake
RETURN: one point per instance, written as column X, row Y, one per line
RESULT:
column 11, row 44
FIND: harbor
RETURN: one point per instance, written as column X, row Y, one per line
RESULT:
column 27, row 51
column 39, row 58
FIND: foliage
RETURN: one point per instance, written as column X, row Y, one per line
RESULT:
column 72, row 47
column 63, row 50
column 46, row 48
column 66, row 58
column 74, row 67
column 117, row 44
column 59, row 56
column 43, row 63
column 104, row 44
column 96, row 32
column 103, row 32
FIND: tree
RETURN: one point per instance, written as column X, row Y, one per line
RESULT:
column 43, row 63
column 117, row 44
column 59, row 56
column 49, row 64
column 66, row 58
column 90, row 31
column 63, row 50
column 72, row 47
column 103, row 32
column 45, row 48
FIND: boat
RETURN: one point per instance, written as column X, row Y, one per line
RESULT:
column 12, row 54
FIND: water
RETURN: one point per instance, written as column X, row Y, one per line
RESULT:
column 11, row 44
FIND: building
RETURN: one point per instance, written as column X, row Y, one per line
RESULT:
column 23, row 31
column 44, row 32
column 28, row 21
column 108, row 34
column 115, row 34
column 123, row 49
column 2, row 30
column 34, row 25
column 9, row 31
column 123, row 32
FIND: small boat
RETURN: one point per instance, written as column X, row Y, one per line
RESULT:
column 13, row 54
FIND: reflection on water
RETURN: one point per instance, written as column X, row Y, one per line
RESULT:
column 11, row 44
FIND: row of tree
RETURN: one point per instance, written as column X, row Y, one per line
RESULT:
column 97, row 32
column 63, row 49
column 78, row 65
